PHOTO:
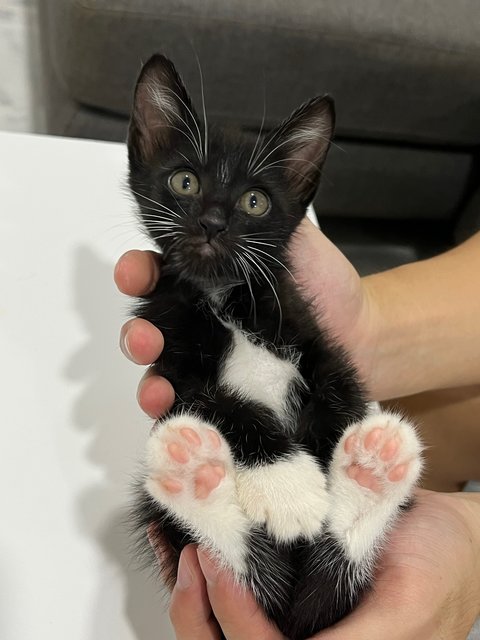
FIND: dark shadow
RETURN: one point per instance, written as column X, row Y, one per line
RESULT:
column 106, row 410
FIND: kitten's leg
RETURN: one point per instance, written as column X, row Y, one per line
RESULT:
column 288, row 496
column 372, row 474
column 373, row 471
column 190, row 472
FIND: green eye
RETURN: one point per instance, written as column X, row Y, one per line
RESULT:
column 185, row 183
column 255, row 203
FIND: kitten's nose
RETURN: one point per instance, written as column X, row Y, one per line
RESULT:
column 213, row 222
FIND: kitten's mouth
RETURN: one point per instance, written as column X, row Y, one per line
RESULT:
column 205, row 248
column 201, row 261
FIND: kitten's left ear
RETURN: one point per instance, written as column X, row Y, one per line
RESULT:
column 302, row 143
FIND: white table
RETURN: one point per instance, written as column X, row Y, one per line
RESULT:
column 71, row 431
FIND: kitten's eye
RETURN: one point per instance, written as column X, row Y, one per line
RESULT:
column 255, row 203
column 185, row 183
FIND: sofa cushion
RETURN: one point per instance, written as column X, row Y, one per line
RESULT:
column 405, row 70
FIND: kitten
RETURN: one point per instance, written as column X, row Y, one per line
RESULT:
column 271, row 457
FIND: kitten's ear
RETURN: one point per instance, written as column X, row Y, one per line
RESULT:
column 302, row 143
column 162, row 111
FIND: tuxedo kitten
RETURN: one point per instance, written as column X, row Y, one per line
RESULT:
column 271, row 457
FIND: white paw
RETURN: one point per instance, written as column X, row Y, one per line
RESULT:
column 289, row 497
column 374, row 469
column 190, row 472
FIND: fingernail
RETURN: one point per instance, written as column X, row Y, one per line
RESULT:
column 209, row 569
column 125, row 346
column 184, row 574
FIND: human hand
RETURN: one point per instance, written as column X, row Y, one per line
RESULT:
column 428, row 586
column 136, row 274
column 340, row 300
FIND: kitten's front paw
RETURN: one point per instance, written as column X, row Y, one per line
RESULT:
column 289, row 497
column 190, row 472
column 374, row 469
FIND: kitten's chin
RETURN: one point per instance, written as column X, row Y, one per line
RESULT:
column 201, row 263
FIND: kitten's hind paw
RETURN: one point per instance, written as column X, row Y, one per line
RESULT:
column 373, row 472
column 186, row 458
column 191, row 474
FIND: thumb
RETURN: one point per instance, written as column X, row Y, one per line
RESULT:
column 235, row 608
column 373, row 619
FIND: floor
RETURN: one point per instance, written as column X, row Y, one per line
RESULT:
column 21, row 104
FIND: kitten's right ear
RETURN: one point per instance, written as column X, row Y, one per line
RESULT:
column 162, row 110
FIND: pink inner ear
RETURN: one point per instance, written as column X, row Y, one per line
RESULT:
column 307, row 139
column 162, row 107
column 153, row 123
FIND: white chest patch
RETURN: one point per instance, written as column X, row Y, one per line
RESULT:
column 256, row 373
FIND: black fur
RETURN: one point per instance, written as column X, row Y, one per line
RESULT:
column 313, row 596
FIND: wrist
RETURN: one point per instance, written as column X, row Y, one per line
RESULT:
column 384, row 352
column 402, row 336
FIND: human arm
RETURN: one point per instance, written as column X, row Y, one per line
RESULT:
column 409, row 329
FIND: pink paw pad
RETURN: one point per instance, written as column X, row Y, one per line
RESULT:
column 373, row 438
column 189, row 459
column 178, row 452
column 191, row 437
column 398, row 473
column 364, row 477
column 350, row 444
column 389, row 450
column 171, row 486
column 214, row 439
column 374, row 457
column 207, row 478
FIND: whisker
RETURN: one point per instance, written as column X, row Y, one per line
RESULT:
column 199, row 145
column 267, row 244
column 168, row 235
column 162, row 211
column 245, row 269
column 252, row 158
column 289, row 169
column 256, row 249
column 176, row 200
column 259, row 233
column 268, row 141
column 205, row 137
column 256, row 261
column 192, row 140
column 141, row 195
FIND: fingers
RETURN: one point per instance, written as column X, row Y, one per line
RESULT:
column 234, row 607
column 155, row 395
column 190, row 610
column 141, row 341
column 137, row 272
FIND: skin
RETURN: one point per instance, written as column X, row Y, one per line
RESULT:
column 416, row 595
column 418, row 320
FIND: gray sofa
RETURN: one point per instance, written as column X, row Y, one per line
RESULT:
column 403, row 180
